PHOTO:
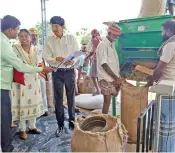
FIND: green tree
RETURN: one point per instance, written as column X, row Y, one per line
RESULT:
column 84, row 37
column 38, row 27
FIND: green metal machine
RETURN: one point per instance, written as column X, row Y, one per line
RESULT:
column 139, row 44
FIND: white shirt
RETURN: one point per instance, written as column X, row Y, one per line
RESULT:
column 168, row 56
column 57, row 47
column 106, row 53
column 39, row 53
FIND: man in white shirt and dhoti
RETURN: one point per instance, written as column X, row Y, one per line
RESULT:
column 108, row 69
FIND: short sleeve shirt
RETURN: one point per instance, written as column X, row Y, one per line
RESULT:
column 168, row 56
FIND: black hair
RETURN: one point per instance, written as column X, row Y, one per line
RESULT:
column 8, row 22
column 57, row 20
column 24, row 30
column 170, row 24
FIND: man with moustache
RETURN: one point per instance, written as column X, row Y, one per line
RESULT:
column 165, row 70
column 57, row 48
column 10, row 27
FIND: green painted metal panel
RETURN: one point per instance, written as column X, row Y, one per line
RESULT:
column 141, row 38
column 142, row 25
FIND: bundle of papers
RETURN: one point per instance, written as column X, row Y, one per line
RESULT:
column 74, row 55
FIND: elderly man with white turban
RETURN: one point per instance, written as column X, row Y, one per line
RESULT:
column 108, row 69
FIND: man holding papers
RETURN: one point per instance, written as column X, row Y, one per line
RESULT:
column 59, row 47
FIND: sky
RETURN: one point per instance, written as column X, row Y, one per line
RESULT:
column 77, row 13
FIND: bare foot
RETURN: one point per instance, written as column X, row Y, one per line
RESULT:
column 76, row 94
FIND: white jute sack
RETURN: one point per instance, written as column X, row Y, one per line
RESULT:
column 88, row 101
column 98, row 133
column 49, row 91
column 133, row 102
column 152, row 8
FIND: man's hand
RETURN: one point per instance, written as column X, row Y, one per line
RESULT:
column 47, row 69
column 150, row 81
column 117, row 82
column 59, row 59
column 69, row 63
column 157, row 74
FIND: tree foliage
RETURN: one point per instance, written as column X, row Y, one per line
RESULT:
column 84, row 37
column 49, row 32
column 38, row 27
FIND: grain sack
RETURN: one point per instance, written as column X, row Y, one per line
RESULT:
column 86, row 86
column 88, row 101
column 152, row 8
column 98, row 133
column 49, row 91
column 133, row 102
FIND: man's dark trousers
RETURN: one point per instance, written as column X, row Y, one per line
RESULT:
column 60, row 78
column 6, row 120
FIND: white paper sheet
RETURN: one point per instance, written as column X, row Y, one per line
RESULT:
column 71, row 57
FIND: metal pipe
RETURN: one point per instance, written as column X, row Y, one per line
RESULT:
column 146, row 109
column 138, row 134
column 157, row 123
column 148, row 131
column 145, row 128
column 151, row 130
column 144, row 133
column 44, row 23
column 113, row 106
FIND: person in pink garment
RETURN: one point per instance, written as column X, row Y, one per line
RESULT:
column 96, row 38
